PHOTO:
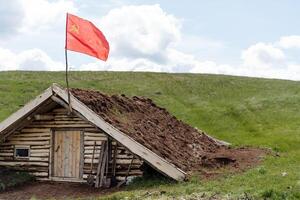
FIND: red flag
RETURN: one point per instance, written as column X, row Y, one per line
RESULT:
column 84, row 37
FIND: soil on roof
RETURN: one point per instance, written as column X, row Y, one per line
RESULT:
column 154, row 127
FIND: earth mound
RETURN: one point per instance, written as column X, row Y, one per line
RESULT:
column 154, row 127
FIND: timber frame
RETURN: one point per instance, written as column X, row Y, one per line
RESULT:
column 57, row 95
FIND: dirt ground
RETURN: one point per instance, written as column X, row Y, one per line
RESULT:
column 55, row 190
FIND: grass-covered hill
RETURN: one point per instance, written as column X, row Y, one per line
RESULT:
column 242, row 111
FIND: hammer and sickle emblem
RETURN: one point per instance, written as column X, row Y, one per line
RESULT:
column 75, row 28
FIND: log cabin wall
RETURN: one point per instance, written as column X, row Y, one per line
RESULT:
column 38, row 136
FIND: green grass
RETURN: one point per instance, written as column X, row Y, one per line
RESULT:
column 10, row 178
column 242, row 111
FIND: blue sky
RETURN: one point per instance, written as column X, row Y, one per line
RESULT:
column 247, row 38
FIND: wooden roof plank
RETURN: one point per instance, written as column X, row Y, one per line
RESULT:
column 150, row 157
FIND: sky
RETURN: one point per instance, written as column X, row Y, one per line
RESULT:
column 258, row 38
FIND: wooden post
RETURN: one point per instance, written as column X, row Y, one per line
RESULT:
column 102, row 164
column 109, row 157
column 114, row 160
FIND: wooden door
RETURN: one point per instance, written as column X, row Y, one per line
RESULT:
column 66, row 154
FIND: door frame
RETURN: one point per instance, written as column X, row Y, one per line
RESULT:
column 51, row 156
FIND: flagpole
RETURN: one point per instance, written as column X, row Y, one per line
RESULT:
column 67, row 77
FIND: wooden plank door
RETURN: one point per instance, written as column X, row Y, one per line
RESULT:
column 66, row 154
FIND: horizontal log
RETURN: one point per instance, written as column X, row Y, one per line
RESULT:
column 60, row 126
column 5, row 146
column 33, row 154
column 91, row 143
column 119, row 156
column 39, row 159
column 32, row 168
column 122, row 148
column 32, row 151
column 29, row 139
column 90, row 157
column 40, row 174
column 92, row 128
column 124, row 156
column 67, row 122
column 6, row 158
column 90, row 151
column 35, row 130
column 98, row 138
column 43, row 117
column 28, row 142
column 7, row 154
column 23, row 163
column 47, row 134
column 42, row 179
column 87, row 170
column 66, row 118
column 7, row 150
column 40, row 147
column 58, row 110
column 118, row 161
column 94, row 134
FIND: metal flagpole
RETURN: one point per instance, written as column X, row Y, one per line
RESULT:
column 67, row 77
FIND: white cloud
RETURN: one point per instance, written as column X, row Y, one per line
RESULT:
column 292, row 41
column 32, row 59
column 42, row 14
column 140, row 31
column 263, row 56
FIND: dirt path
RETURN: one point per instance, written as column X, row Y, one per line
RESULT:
column 52, row 190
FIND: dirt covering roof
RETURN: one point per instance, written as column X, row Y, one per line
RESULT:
column 155, row 128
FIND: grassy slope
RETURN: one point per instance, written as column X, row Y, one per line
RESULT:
column 243, row 111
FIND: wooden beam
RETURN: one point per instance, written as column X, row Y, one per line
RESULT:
column 39, row 117
column 101, row 155
column 150, row 157
column 60, row 102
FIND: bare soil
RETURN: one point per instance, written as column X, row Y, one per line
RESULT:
column 154, row 127
column 53, row 190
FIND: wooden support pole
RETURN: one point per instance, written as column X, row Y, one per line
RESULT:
column 114, row 160
column 101, row 164
column 103, row 168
